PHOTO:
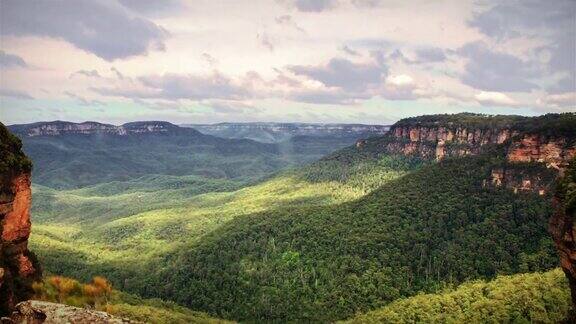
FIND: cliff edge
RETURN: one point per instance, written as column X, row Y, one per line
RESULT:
column 18, row 266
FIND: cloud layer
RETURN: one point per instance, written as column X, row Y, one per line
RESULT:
column 301, row 60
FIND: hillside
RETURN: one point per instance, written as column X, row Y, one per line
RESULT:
column 525, row 298
column 350, row 233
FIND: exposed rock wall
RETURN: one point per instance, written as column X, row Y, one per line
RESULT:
column 440, row 142
column 555, row 152
column 18, row 266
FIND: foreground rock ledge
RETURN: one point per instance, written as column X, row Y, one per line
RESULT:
column 33, row 312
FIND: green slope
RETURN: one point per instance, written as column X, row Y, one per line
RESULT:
column 119, row 233
column 429, row 228
column 525, row 298
column 316, row 244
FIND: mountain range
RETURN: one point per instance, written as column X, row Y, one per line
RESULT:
column 72, row 155
column 278, row 132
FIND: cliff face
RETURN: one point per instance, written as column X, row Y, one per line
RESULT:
column 549, row 140
column 441, row 142
column 18, row 266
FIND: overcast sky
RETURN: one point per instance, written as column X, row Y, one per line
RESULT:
column 368, row 61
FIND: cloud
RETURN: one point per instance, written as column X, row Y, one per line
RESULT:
column 400, row 87
column 287, row 20
column 87, row 73
column 344, row 74
column 264, row 40
column 493, row 71
column 367, row 3
column 560, row 100
column 326, row 96
column 311, row 5
column 400, row 80
column 211, row 60
column 15, row 94
column 117, row 73
column 430, row 55
column 487, row 98
column 349, row 51
column 230, row 107
column 99, row 27
column 152, row 6
column 172, row 86
column 553, row 22
column 83, row 101
column 11, row 60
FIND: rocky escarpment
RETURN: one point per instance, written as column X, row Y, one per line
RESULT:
column 93, row 128
column 440, row 139
column 549, row 140
column 18, row 266
column 563, row 230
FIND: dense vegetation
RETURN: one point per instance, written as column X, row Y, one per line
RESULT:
column 98, row 294
column 566, row 190
column 524, row 298
column 321, row 243
column 557, row 125
column 463, row 120
column 12, row 159
column 417, row 233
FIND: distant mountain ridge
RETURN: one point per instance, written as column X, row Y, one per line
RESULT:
column 55, row 128
column 71, row 155
column 276, row 132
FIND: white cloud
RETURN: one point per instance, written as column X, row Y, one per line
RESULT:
column 560, row 100
column 400, row 80
column 494, row 98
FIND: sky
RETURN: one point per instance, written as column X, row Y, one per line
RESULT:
column 323, row 61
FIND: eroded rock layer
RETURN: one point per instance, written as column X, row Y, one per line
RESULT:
column 18, row 266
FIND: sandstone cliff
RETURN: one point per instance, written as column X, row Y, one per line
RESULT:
column 549, row 140
column 18, row 266
column 442, row 138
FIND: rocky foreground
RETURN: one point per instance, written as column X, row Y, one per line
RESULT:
column 33, row 311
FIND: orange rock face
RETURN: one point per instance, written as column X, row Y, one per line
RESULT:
column 432, row 142
column 534, row 148
column 16, row 223
column 18, row 268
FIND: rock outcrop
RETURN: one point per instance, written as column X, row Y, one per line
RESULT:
column 549, row 140
column 441, row 141
column 18, row 266
column 563, row 230
column 33, row 312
